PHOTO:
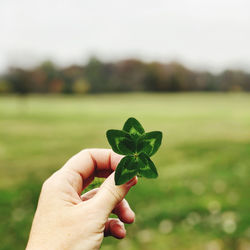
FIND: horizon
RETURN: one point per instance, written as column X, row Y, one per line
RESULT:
column 34, row 66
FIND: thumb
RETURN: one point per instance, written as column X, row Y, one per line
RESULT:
column 109, row 194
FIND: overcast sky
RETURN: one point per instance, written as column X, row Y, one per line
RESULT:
column 211, row 34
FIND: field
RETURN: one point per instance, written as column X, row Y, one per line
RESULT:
column 201, row 198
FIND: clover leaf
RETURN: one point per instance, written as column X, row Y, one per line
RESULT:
column 137, row 146
column 149, row 143
column 121, row 142
column 133, row 127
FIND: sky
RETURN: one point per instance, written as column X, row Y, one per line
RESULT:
column 202, row 34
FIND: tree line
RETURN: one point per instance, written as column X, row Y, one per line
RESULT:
column 122, row 76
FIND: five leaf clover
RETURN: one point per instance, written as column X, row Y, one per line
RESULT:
column 137, row 146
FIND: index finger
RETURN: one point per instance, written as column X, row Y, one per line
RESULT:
column 90, row 163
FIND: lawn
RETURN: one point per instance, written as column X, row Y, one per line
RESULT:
column 201, row 198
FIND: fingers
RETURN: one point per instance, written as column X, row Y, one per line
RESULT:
column 89, row 194
column 110, row 195
column 122, row 210
column 94, row 161
column 84, row 166
column 115, row 228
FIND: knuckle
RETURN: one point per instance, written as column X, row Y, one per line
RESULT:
column 114, row 192
column 77, row 155
column 46, row 184
column 85, row 151
column 51, row 183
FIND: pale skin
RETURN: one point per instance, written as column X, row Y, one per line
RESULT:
column 65, row 219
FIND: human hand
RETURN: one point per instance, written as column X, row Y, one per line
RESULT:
column 66, row 220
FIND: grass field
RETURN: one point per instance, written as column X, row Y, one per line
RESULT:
column 201, row 198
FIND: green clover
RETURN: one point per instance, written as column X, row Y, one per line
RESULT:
column 137, row 146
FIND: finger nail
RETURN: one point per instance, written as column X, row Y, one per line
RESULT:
column 120, row 225
column 132, row 182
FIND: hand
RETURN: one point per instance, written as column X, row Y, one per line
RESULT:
column 66, row 220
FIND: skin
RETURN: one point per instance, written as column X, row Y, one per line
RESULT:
column 65, row 219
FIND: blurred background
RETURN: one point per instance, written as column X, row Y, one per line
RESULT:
column 70, row 70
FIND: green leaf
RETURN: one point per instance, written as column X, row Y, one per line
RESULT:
column 146, row 167
column 138, row 146
column 133, row 127
column 121, row 142
column 126, row 170
column 150, row 142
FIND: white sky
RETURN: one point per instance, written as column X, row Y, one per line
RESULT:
column 211, row 34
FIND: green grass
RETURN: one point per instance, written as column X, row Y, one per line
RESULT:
column 201, row 198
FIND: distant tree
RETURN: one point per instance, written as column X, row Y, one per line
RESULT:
column 130, row 75
column 5, row 86
column 152, row 77
column 125, row 75
column 56, row 86
column 39, row 80
column 233, row 80
column 95, row 74
column 69, row 76
column 205, row 81
column 81, row 86
column 20, row 80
